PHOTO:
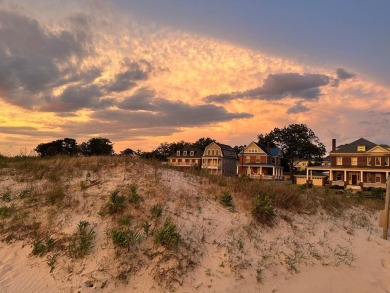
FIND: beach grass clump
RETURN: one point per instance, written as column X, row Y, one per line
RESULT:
column 167, row 235
column 262, row 209
column 227, row 201
column 134, row 197
column 156, row 211
column 6, row 212
column 117, row 202
column 125, row 237
column 82, row 241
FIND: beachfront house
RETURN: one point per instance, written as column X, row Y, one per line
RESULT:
column 186, row 158
column 219, row 159
column 356, row 165
column 260, row 161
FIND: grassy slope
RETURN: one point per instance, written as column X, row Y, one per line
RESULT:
column 99, row 222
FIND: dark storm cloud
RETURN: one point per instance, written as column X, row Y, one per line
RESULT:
column 298, row 108
column 25, row 130
column 134, row 72
column 279, row 86
column 170, row 114
column 76, row 97
column 33, row 59
column 141, row 100
column 144, row 108
column 342, row 74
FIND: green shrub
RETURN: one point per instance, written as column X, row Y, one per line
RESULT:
column 134, row 197
column 82, row 242
column 167, row 235
column 125, row 237
column 156, row 210
column 117, row 202
column 262, row 209
column 227, row 201
column 378, row 192
column 6, row 212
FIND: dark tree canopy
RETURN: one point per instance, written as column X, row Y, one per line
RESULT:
column 66, row 146
column 202, row 143
column 239, row 148
column 97, row 146
column 296, row 142
column 127, row 152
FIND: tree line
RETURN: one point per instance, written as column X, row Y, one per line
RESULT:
column 296, row 142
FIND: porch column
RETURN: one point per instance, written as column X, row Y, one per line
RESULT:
column 261, row 171
column 237, row 171
column 307, row 174
column 361, row 176
column 330, row 175
column 345, row 177
column 273, row 171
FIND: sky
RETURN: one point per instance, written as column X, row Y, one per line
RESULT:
column 145, row 72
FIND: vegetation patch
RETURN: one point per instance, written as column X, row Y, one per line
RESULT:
column 82, row 241
column 167, row 235
column 262, row 209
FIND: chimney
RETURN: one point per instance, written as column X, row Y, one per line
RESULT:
column 268, row 147
column 333, row 144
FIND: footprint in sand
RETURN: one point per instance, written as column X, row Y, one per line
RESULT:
column 385, row 264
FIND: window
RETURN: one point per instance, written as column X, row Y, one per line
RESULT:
column 191, row 153
column 369, row 161
column 212, row 152
column 339, row 161
column 354, row 161
column 178, row 153
column 361, row 148
column 216, row 152
column 209, row 152
column 369, row 177
column 184, row 153
column 377, row 161
column 386, row 161
column 378, row 178
column 173, row 160
column 187, row 160
column 339, row 176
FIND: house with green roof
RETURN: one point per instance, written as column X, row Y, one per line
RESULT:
column 356, row 165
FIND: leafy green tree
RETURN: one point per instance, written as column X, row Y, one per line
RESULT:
column 127, row 152
column 296, row 142
column 97, row 146
column 202, row 143
column 66, row 146
column 239, row 148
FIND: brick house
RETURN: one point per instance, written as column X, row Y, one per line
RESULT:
column 359, row 164
column 260, row 161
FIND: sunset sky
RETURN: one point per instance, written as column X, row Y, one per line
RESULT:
column 145, row 72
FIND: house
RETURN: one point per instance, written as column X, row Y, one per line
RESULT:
column 359, row 164
column 260, row 161
column 220, row 159
column 186, row 157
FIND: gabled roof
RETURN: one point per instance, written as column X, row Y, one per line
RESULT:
column 272, row 152
column 353, row 146
column 197, row 153
column 227, row 150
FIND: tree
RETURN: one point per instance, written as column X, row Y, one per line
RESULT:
column 239, row 148
column 97, row 146
column 127, row 152
column 296, row 142
column 66, row 146
column 202, row 143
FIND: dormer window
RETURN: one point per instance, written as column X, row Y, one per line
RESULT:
column 184, row 153
column 191, row 153
column 178, row 153
column 361, row 148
